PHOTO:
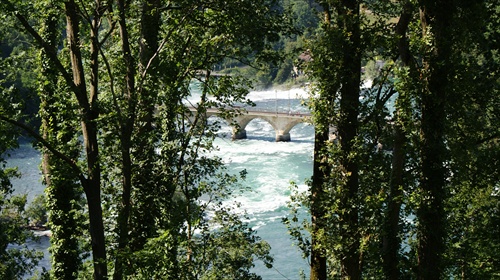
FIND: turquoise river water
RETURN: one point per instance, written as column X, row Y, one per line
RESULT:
column 271, row 166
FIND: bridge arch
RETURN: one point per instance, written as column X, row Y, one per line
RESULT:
column 243, row 122
column 281, row 122
column 263, row 126
column 289, row 126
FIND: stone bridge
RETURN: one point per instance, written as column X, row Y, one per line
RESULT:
column 281, row 122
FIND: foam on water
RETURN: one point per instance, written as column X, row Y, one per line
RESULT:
column 271, row 166
column 294, row 93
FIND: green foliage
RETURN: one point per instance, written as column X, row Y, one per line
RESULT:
column 297, row 225
column 391, row 128
column 301, row 21
column 473, row 141
column 284, row 72
column 142, row 147
column 230, row 249
column 158, row 258
column 166, row 198
column 15, row 258
column 224, row 248
column 37, row 211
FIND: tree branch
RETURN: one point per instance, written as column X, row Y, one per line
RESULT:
column 42, row 43
column 72, row 163
column 400, row 30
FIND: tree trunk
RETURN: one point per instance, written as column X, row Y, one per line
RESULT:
column 138, row 121
column 431, row 214
column 348, row 19
column 320, row 166
column 62, row 189
column 342, row 22
column 96, row 228
column 126, row 129
column 145, row 210
column 90, row 113
column 391, row 243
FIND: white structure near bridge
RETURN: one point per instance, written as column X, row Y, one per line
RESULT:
column 281, row 122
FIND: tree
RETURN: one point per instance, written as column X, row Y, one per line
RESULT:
column 472, row 138
column 435, row 87
column 335, row 183
column 63, row 192
column 400, row 130
column 413, row 156
column 420, row 57
column 140, row 146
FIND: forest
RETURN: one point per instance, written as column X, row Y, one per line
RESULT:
column 405, row 104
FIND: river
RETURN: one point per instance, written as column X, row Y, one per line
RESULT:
column 270, row 165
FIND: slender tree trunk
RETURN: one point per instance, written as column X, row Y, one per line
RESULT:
column 435, row 19
column 96, row 228
column 62, row 188
column 341, row 17
column 348, row 19
column 90, row 113
column 126, row 131
column 139, row 118
column 321, row 170
column 391, row 241
column 145, row 210
column 320, row 167
column 124, row 210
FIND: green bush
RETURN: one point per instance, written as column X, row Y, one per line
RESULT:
column 37, row 211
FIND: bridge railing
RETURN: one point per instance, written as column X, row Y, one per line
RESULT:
column 282, row 112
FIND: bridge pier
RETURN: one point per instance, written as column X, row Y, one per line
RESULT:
column 239, row 134
column 281, row 122
column 282, row 137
